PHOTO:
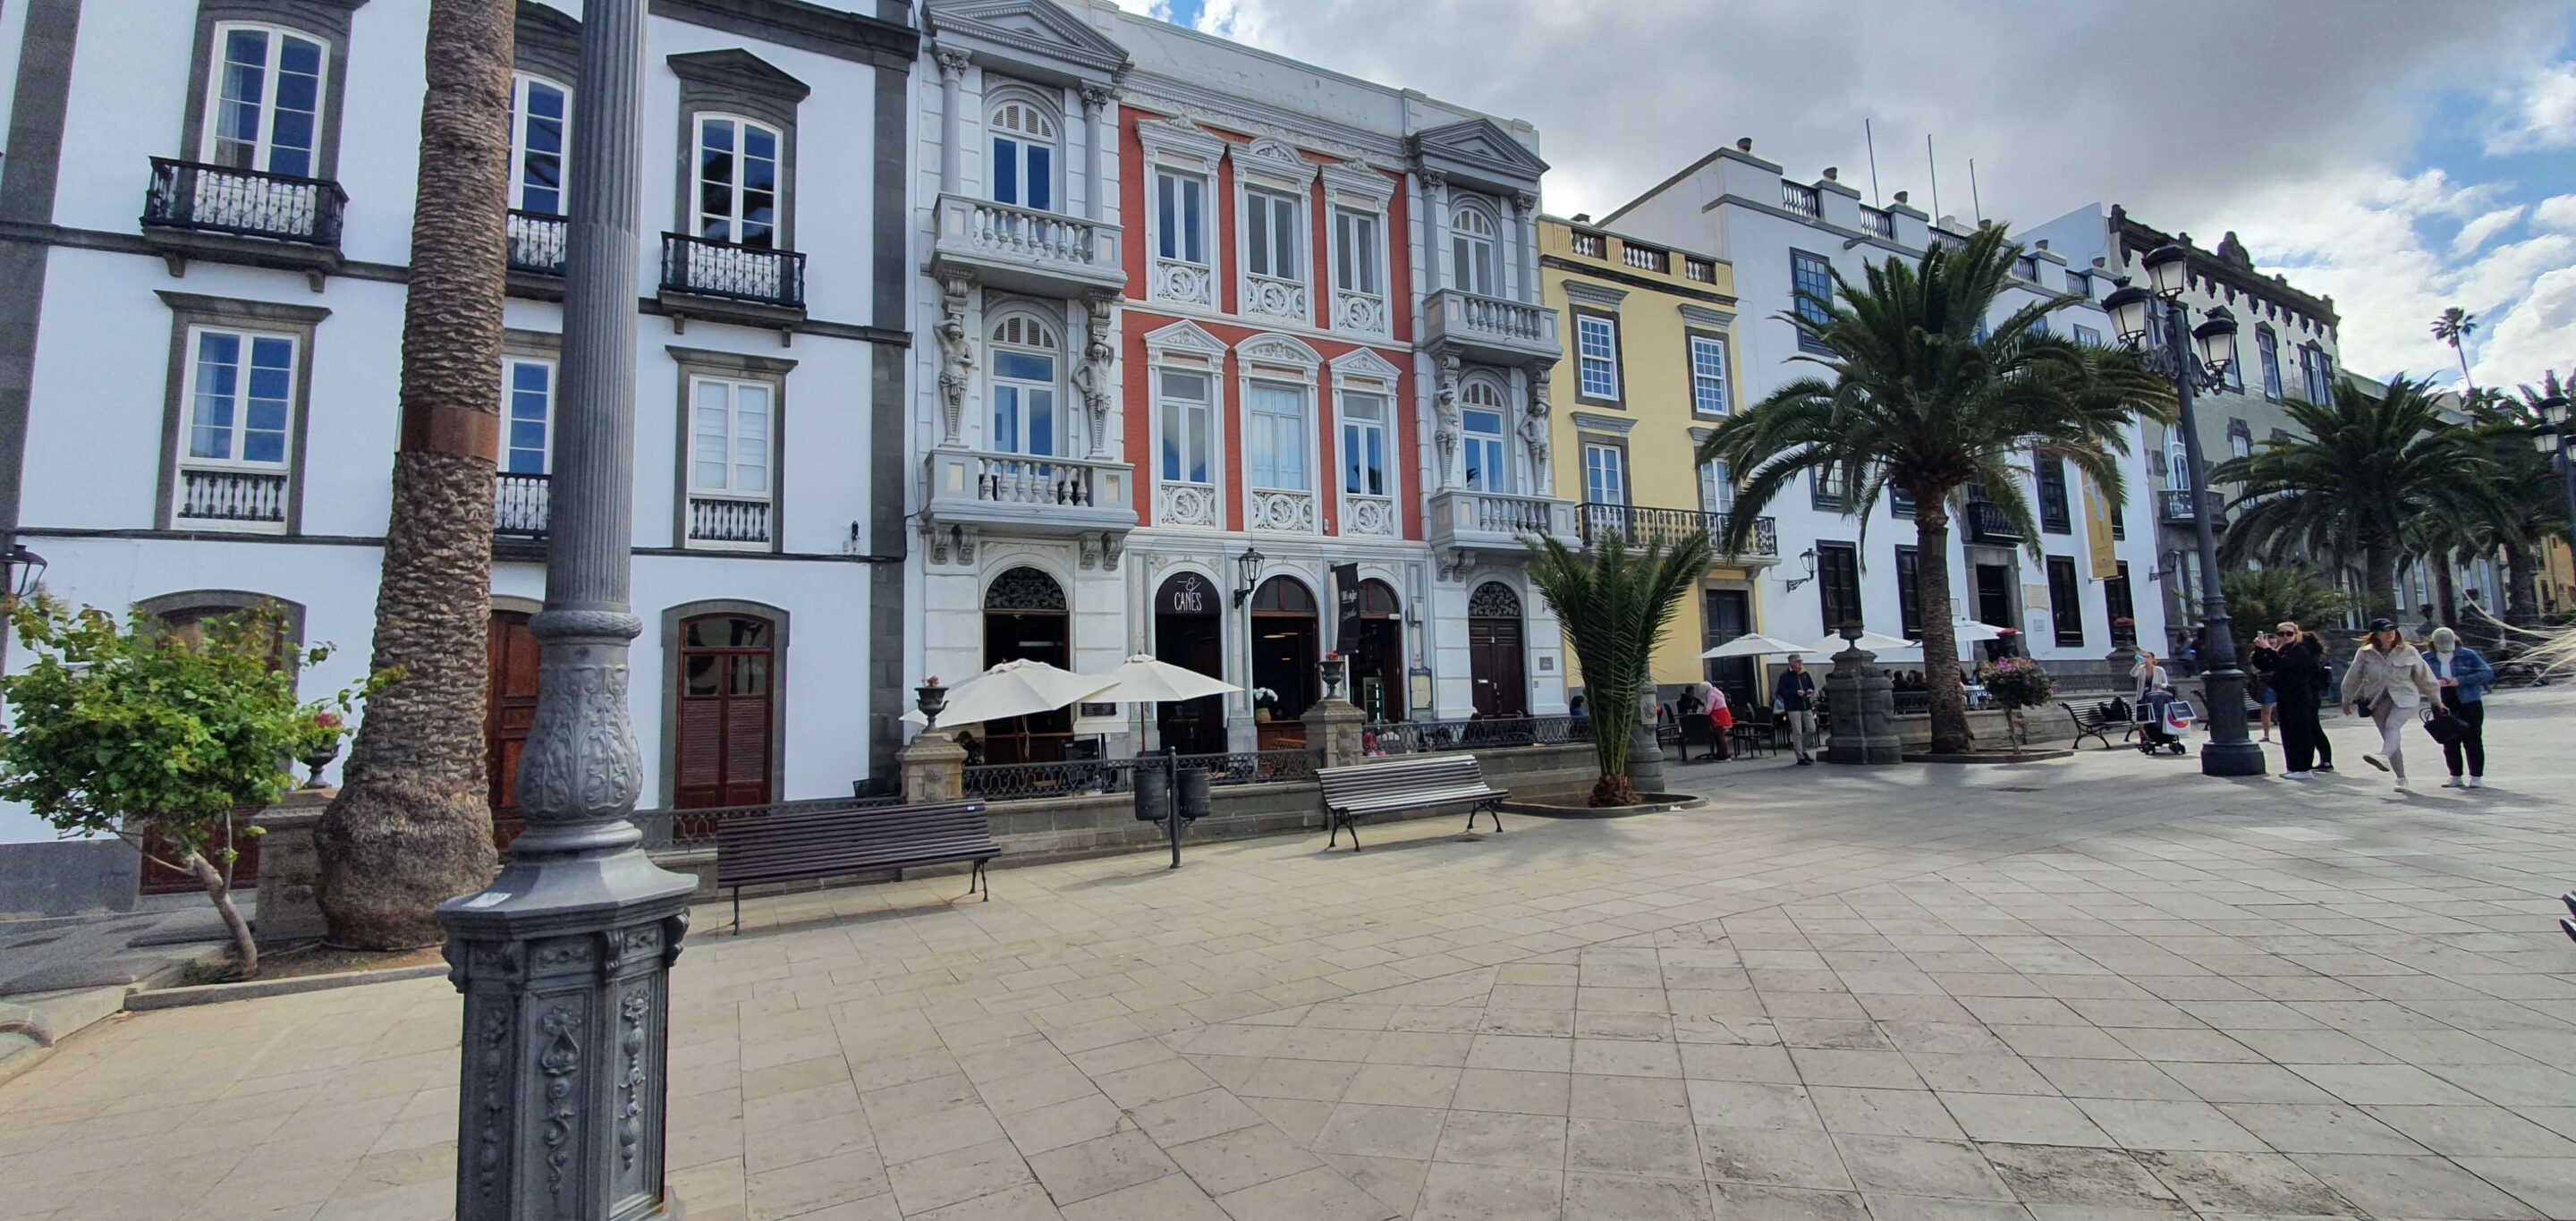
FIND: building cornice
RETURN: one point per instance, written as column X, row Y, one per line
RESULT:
column 803, row 26
column 2234, row 270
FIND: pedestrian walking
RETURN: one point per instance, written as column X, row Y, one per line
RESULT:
column 2298, row 676
column 2464, row 675
column 1796, row 693
column 2390, row 680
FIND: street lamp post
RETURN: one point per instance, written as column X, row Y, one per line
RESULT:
column 2157, row 324
column 2557, row 440
column 565, row 958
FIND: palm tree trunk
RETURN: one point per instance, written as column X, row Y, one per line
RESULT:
column 2522, row 584
column 1944, row 685
column 2461, row 351
column 2446, row 592
column 2379, row 572
column 411, row 826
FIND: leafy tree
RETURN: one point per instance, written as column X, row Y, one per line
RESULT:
column 2260, row 599
column 1615, row 604
column 2454, row 326
column 2359, row 471
column 1920, row 397
column 412, row 826
column 2527, row 488
column 156, row 736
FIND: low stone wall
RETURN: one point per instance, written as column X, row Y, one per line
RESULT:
column 1067, row 828
column 66, row 877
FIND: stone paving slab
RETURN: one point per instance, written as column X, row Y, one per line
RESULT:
column 2097, row 988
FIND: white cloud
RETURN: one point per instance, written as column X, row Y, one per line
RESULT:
column 2541, row 113
column 2556, row 212
column 2476, row 233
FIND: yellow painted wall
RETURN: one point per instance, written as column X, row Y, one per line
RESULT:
column 1654, row 390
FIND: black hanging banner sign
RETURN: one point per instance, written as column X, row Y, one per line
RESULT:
column 1346, row 601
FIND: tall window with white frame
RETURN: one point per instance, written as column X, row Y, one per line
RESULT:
column 1359, row 285
column 1605, row 473
column 540, row 114
column 235, row 453
column 1186, row 417
column 1270, row 232
column 1363, row 443
column 1472, row 251
column 266, row 110
column 1716, row 487
column 738, row 185
column 1276, row 435
column 519, row 500
column 731, row 471
column 1596, row 339
column 1180, row 214
column 1482, row 421
column 1023, row 168
column 1023, row 386
column 1708, row 375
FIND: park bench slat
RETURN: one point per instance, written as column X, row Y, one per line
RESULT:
column 1403, row 784
column 824, row 843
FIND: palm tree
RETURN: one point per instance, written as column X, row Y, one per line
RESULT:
column 2534, row 506
column 411, row 826
column 2259, row 598
column 1915, row 400
column 2362, row 471
column 1614, row 605
column 2454, row 327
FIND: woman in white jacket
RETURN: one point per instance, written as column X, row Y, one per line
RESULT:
column 2389, row 680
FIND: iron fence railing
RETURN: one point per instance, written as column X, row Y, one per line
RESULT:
column 1639, row 525
column 705, row 267
column 696, row 828
column 537, row 242
column 246, row 203
column 1081, row 777
column 519, row 504
column 1489, row 733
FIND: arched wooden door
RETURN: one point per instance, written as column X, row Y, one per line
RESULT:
column 509, row 707
column 723, row 752
column 1494, row 653
column 1027, row 618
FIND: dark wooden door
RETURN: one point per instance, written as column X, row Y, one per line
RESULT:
column 509, row 707
column 1725, row 615
column 721, row 749
column 1494, row 659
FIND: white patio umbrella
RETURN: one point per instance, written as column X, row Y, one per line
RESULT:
column 1876, row 642
column 1013, row 688
column 1753, row 644
column 1142, row 679
column 1969, row 631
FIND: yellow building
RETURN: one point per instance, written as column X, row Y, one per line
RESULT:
column 1649, row 368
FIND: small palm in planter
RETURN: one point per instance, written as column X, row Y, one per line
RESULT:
column 2016, row 683
column 1614, row 605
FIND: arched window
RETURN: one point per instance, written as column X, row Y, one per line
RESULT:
column 1377, row 599
column 1482, row 418
column 1283, row 595
column 1023, row 170
column 540, row 115
column 1471, row 247
column 1493, row 600
column 1026, row 357
column 1024, row 590
column 737, row 181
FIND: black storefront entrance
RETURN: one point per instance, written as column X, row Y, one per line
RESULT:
column 1284, row 649
column 1025, row 618
column 1189, row 633
column 1374, row 644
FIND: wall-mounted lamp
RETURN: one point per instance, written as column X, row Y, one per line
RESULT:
column 1807, row 557
column 1248, row 565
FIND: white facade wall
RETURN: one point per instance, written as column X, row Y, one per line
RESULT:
column 1730, row 203
column 102, row 378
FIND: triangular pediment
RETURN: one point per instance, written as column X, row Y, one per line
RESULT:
column 1029, row 27
column 1479, row 146
column 1184, row 336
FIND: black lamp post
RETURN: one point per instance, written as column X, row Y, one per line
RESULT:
column 2156, row 325
column 26, row 568
column 1248, row 565
column 2557, row 440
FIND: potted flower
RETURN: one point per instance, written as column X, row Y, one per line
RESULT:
column 2016, row 683
column 1332, row 668
column 322, row 733
column 1263, row 700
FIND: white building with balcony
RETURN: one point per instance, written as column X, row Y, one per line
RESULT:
column 241, row 453
column 1184, row 303
column 2066, row 591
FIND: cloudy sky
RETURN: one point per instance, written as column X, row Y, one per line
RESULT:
column 2401, row 155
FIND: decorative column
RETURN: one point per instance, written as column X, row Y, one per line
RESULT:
column 565, row 958
column 1095, row 107
column 1092, row 376
column 1525, row 219
column 1541, row 422
column 1435, row 187
column 952, row 77
column 1445, row 432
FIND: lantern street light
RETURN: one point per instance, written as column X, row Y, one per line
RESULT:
column 1248, row 565
column 25, row 569
column 2556, row 438
column 2154, row 323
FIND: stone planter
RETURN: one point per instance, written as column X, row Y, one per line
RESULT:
column 290, row 870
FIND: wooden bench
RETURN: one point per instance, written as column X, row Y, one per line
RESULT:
column 1363, row 789
column 2096, row 723
column 827, row 843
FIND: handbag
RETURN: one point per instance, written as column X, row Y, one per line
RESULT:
column 2444, row 727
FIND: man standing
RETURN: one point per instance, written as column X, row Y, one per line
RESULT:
column 1796, row 692
column 2296, row 664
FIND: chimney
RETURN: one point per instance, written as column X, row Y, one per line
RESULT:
column 1900, row 197
column 1744, row 144
column 1833, row 174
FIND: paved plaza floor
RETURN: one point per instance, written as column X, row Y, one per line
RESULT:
column 2099, row 988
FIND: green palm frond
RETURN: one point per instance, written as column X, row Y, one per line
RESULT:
column 1615, row 604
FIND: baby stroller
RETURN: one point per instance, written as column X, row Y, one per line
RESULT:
column 2162, row 722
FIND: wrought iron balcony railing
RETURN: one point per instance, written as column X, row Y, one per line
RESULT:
column 705, row 267
column 723, row 522
column 519, row 504
column 243, row 203
column 536, row 242
column 1988, row 523
column 231, row 497
column 2173, row 506
column 1638, row 526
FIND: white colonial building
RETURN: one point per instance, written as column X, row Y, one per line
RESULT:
column 208, row 212
column 1185, row 304
column 2065, row 590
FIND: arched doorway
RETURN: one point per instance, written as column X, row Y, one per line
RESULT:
column 724, row 748
column 1026, row 619
column 1494, row 656
column 1284, row 649
column 509, row 708
column 1376, row 654
column 1188, row 632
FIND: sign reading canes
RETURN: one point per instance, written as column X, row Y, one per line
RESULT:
column 1188, row 594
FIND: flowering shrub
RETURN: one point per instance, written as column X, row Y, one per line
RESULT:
column 2016, row 682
